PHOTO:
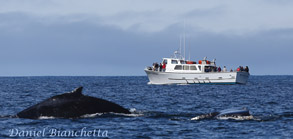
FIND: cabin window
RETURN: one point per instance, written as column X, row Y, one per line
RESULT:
column 209, row 69
column 185, row 67
column 199, row 67
column 174, row 62
column 182, row 62
column 178, row 67
column 165, row 61
column 193, row 68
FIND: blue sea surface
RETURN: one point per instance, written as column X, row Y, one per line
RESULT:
column 160, row 111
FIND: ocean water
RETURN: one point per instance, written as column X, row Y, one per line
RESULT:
column 159, row 111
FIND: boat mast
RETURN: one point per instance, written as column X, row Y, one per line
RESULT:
column 189, row 50
column 184, row 39
column 180, row 48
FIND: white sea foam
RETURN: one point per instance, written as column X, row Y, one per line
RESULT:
column 235, row 117
column 134, row 113
column 227, row 118
column 183, row 84
column 195, row 118
column 129, row 115
column 47, row 117
column 132, row 110
column 91, row 115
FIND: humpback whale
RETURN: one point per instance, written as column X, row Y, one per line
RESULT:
column 234, row 113
column 71, row 105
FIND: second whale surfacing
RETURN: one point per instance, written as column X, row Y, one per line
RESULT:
column 234, row 113
column 71, row 105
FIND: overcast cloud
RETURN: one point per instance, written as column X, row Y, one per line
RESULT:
column 111, row 37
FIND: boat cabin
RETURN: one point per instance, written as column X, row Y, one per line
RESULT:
column 179, row 65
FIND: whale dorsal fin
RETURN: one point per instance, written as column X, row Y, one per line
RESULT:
column 77, row 91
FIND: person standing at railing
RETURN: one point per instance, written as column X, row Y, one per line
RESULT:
column 164, row 67
column 224, row 69
column 156, row 66
column 214, row 69
column 238, row 69
column 246, row 69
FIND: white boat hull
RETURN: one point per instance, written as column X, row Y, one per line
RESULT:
column 156, row 77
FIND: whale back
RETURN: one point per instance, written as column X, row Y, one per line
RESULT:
column 227, row 113
column 234, row 112
column 71, row 105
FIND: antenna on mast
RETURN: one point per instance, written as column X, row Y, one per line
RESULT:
column 180, row 47
column 184, row 39
column 189, row 49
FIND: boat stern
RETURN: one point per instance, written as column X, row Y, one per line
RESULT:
column 242, row 77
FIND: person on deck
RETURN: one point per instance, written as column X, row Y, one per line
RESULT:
column 164, row 67
column 238, row 69
column 219, row 69
column 224, row 69
column 156, row 66
column 246, row 69
column 215, row 69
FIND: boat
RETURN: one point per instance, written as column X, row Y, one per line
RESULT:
column 177, row 70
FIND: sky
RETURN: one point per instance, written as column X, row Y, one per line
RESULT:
column 121, row 38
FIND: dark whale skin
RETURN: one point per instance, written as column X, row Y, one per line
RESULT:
column 71, row 105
